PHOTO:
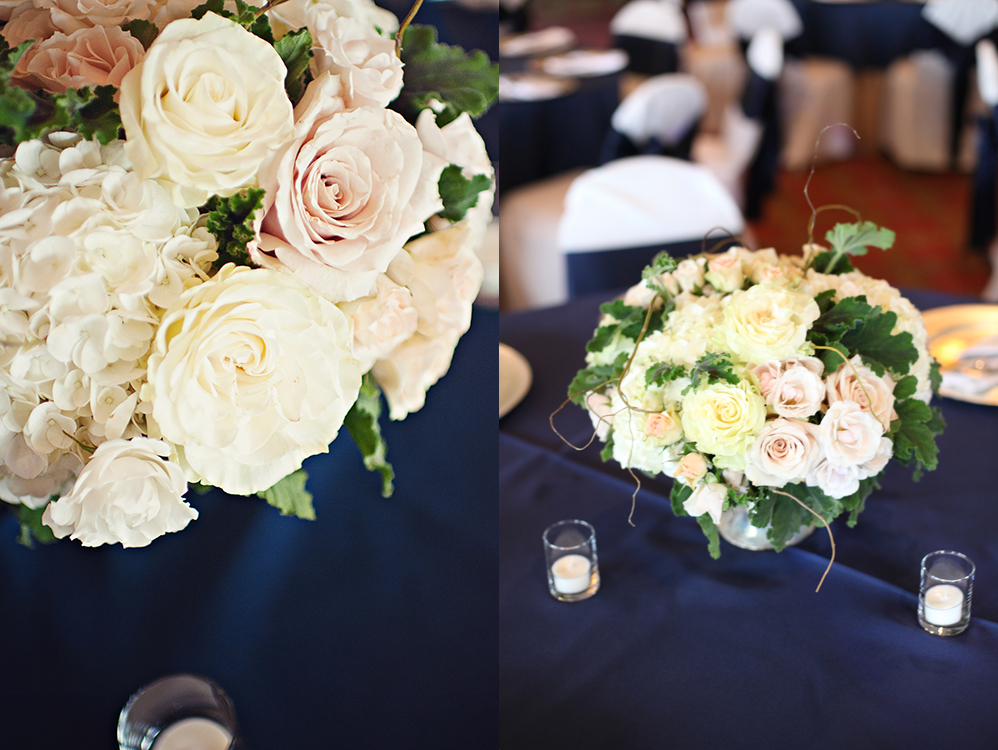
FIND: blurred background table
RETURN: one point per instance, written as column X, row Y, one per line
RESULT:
column 677, row 650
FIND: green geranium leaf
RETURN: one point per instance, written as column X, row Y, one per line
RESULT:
column 914, row 433
column 295, row 49
column 290, row 496
column 711, row 368
column 362, row 423
column 935, row 376
column 99, row 116
column 460, row 193
column 595, row 378
column 880, row 348
column 145, row 31
column 607, row 453
column 710, row 531
column 213, row 6
column 452, row 78
column 16, row 105
column 857, row 238
column 905, row 387
column 664, row 373
column 231, row 221
column 826, row 260
column 32, row 528
column 680, row 494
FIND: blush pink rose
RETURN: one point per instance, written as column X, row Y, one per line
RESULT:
column 94, row 56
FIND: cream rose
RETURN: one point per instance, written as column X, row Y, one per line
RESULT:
column 689, row 273
column 724, row 272
column 297, row 13
column 344, row 195
column 663, row 427
column 849, row 435
column 783, row 453
column 692, row 468
column 796, row 393
column 767, row 372
column 204, row 108
column 764, row 323
column 600, row 413
column 854, row 381
column 250, row 373
column 409, row 371
column 707, row 498
column 127, row 492
column 382, row 322
column 723, row 419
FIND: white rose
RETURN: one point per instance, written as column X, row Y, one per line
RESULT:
column 409, row 371
column 126, row 493
column 297, row 13
column 689, row 273
column 763, row 323
column 835, row 481
column 204, row 108
column 723, row 419
column 663, row 427
column 783, row 453
column 250, row 374
column 344, row 195
column 879, row 461
column 854, row 381
column 707, row 498
column 366, row 63
column 849, row 435
column 724, row 272
column 796, row 393
column 382, row 322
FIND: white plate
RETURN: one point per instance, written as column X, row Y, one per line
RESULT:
column 536, row 42
column 585, row 62
column 514, row 378
column 534, row 87
column 951, row 331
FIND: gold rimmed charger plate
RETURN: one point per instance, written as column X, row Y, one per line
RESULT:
column 951, row 331
column 515, row 377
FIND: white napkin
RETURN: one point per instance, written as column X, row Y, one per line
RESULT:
column 977, row 369
column 747, row 17
column 650, row 19
column 965, row 21
column 987, row 72
column 966, row 381
column 664, row 106
column 528, row 88
column 585, row 63
column 535, row 42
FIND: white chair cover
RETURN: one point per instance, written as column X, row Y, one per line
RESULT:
column 664, row 107
column 987, row 72
column 650, row 19
column 765, row 53
column 964, row 21
column 747, row 17
column 641, row 201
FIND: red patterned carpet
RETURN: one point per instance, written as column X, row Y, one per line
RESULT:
column 929, row 213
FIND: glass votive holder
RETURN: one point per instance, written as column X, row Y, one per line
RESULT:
column 570, row 556
column 944, row 594
column 177, row 713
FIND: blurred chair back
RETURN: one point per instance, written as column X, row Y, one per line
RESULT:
column 747, row 17
column 985, row 178
column 651, row 32
column 659, row 118
column 619, row 216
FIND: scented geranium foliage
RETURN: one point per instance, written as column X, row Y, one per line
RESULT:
column 226, row 232
column 783, row 384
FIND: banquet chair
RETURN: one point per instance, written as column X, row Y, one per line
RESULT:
column 814, row 92
column 531, row 273
column 743, row 157
column 619, row 216
column 651, row 33
column 925, row 95
column 984, row 192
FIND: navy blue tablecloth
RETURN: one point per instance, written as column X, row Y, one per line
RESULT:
column 372, row 626
column 680, row 651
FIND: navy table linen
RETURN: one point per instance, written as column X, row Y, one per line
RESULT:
column 677, row 650
column 372, row 626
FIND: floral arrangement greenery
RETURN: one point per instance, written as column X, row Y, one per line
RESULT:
column 783, row 384
column 225, row 232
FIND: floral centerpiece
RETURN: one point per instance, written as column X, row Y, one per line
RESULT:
column 225, row 232
column 781, row 384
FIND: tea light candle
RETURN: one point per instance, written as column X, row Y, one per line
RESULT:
column 943, row 604
column 193, row 734
column 571, row 574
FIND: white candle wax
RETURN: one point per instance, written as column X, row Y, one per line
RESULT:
column 571, row 574
column 193, row 734
column 943, row 604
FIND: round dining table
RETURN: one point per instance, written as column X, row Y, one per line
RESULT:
column 372, row 626
column 677, row 650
